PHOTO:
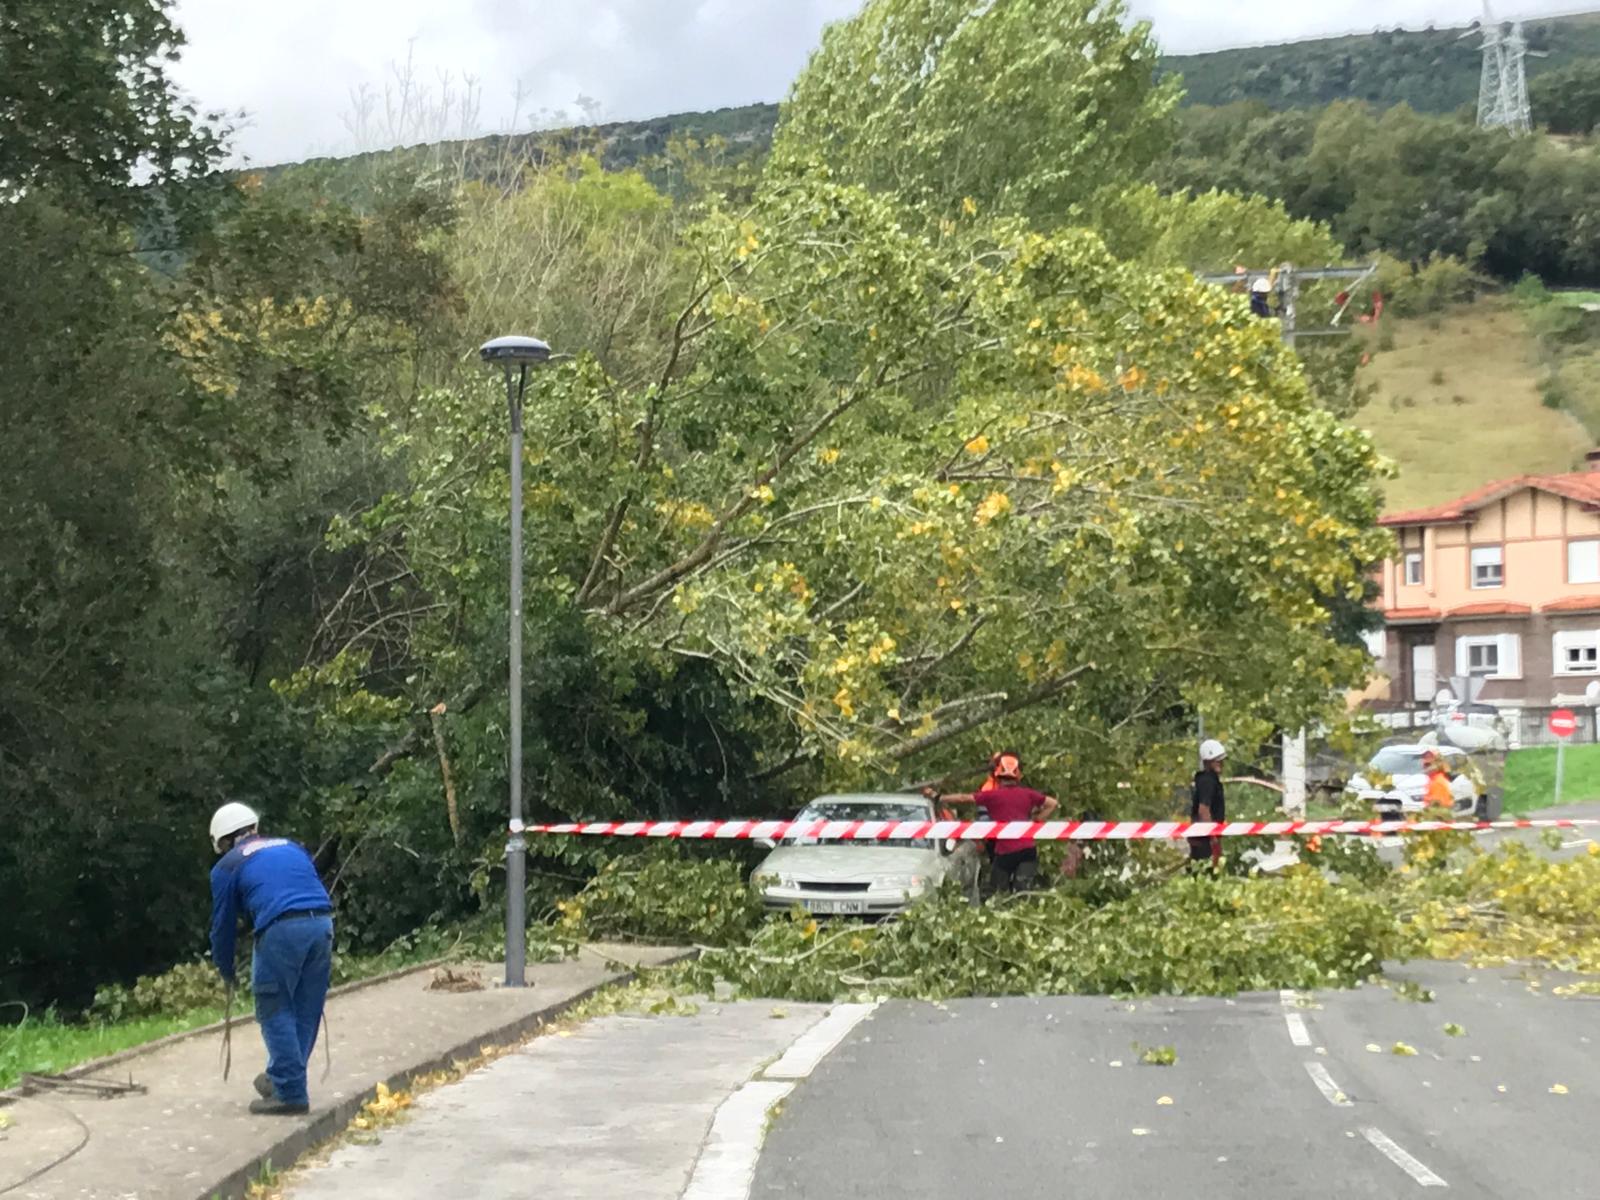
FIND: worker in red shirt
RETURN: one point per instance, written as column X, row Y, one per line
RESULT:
column 1016, row 860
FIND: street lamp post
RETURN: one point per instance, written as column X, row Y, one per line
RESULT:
column 515, row 355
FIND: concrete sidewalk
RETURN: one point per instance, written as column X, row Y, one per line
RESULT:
column 619, row 1110
column 191, row 1136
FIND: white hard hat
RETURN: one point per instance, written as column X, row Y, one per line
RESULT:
column 1211, row 750
column 230, row 819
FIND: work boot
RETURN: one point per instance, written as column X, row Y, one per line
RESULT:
column 263, row 1085
column 273, row 1107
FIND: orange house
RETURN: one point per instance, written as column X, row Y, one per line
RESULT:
column 1504, row 584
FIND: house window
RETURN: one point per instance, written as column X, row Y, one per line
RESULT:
column 1577, row 652
column 1488, row 567
column 1583, row 561
column 1491, row 656
column 1414, row 568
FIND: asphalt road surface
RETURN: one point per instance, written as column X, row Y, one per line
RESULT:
column 1272, row 1095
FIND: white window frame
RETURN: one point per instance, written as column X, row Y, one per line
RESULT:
column 1499, row 561
column 1584, row 639
column 1413, row 558
column 1593, row 574
column 1507, row 649
column 1377, row 641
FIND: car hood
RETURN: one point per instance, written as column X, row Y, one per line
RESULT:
column 1402, row 785
column 850, row 863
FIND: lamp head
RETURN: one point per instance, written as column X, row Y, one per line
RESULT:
column 514, row 350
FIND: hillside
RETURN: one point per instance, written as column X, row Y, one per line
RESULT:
column 1459, row 403
column 1433, row 70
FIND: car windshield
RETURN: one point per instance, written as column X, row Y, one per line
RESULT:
column 1397, row 760
column 887, row 810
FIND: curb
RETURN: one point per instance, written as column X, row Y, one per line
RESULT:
column 330, row 1122
column 245, row 1018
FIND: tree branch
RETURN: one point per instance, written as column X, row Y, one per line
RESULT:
column 1035, row 695
column 408, row 741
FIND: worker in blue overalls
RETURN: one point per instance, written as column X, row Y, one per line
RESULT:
column 274, row 884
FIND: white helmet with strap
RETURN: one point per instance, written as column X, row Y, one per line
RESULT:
column 1212, row 750
column 231, row 819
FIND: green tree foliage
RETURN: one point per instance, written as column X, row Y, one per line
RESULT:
column 1413, row 186
column 1567, row 99
column 889, row 488
column 1029, row 106
column 86, row 103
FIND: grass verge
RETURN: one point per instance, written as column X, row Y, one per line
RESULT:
column 45, row 1045
column 1531, row 777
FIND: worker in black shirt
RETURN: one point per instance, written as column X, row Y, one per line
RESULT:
column 1208, row 802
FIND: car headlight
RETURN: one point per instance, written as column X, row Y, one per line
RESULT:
column 911, row 883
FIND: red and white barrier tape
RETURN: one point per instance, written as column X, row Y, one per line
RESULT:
column 1049, row 831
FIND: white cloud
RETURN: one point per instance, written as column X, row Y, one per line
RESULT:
column 292, row 64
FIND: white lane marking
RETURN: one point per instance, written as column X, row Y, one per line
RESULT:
column 1578, row 842
column 1298, row 1033
column 727, row 1162
column 811, row 1047
column 1325, row 1084
column 1401, row 1159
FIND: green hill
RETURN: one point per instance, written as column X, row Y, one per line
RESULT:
column 1459, row 402
column 1433, row 70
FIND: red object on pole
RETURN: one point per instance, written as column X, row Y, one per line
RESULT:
column 1562, row 723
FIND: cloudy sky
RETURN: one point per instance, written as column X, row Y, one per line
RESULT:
column 295, row 66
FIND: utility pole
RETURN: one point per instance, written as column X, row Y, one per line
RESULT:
column 1285, row 281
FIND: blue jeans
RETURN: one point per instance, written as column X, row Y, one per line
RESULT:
column 289, row 975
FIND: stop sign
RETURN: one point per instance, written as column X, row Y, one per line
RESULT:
column 1562, row 723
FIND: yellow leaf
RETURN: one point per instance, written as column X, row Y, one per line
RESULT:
column 969, row 206
column 1558, row 1089
column 978, row 445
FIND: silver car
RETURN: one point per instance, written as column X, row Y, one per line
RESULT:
column 867, row 877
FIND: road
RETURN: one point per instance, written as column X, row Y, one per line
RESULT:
column 1046, row 1096
column 1272, row 1095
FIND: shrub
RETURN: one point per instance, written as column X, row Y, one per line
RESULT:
column 183, row 989
column 1193, row 935
column 665, row 896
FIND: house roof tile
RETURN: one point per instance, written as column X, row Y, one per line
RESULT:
column 1572, row 604
column 1582, row 486
column 1394, row 615
column 1491, row 609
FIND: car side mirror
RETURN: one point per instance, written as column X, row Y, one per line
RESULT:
column 949, row 845
column 765, row 843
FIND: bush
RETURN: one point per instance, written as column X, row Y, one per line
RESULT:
column 665, row 896
column 183, row 989
column 1439, row 284
column 1193, row 935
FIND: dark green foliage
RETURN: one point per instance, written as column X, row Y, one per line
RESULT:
column 87, row 105
column 1435, row 192
column 1567, row 99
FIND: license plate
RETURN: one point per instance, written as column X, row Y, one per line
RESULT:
column 837, row 906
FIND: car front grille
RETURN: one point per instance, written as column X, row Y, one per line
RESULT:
column 819, row 885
